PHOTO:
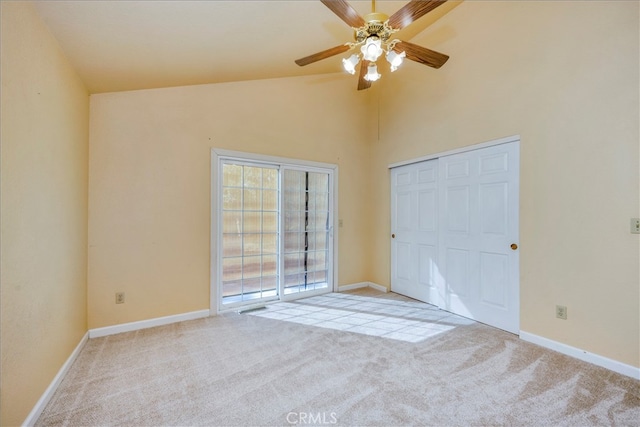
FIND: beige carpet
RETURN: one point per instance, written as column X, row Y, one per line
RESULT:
column 239, row 370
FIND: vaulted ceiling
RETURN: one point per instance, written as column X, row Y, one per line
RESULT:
column 118, row 45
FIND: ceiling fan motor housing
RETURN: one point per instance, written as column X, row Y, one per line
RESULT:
column 375, row 17
column 375, row 25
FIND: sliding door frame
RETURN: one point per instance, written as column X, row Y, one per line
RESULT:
column 215, row 273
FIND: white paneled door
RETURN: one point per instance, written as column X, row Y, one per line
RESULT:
column 474, row 269
column 479, row 225
column 414, row 219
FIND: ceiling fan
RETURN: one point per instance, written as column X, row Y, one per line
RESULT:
column 373, row 35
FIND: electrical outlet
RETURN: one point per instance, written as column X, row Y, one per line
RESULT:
column 119, row 297
column 635, row 225
column 561, row 312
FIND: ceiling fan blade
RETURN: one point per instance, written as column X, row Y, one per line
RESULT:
column 412, row 11
column 362, row 82
column 421, row 54
column 322, row 55
column 345, row 12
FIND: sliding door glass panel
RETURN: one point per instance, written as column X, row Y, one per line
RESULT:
column 249, row 232
column 306, row 230
column 273, row 231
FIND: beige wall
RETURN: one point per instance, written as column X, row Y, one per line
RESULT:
column 149, row 208
column 45, row 118
column 564, row 76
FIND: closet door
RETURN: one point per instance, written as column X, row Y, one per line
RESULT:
column 414, row 227
column 478, row 255
column 454, row 241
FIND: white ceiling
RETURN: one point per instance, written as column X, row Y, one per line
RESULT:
column 120, row 45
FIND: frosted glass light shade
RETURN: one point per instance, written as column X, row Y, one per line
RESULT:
column 372, row 73
column 372, row 49
column 350, row 63
column 395, row 59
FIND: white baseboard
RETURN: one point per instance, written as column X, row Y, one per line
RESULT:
column 378, row 287
column 48, row 393
column 362, row 285
column 101, row 332
column 149, row 323
column 605, row 362
column 352, row 286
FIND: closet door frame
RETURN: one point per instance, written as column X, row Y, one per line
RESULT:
column 515, row 141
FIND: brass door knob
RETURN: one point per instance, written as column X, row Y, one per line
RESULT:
column 393, row 236
column 514, row 246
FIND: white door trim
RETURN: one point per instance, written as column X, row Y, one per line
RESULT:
column 491, row 143
column 263, row 158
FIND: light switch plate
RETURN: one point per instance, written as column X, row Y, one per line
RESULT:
column 635, row 225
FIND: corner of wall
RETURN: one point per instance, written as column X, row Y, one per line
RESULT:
column 45, row 130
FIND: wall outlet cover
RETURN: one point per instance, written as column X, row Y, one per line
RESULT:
column 561, row 312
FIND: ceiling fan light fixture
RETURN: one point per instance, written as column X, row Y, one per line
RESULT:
column 374, row 35
column 395, row 59
column 350, row 63
column 372, row 73
column 372, row 49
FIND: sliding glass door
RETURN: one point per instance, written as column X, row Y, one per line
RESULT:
column 249, row 232
column 274, row 231
column 306, row 230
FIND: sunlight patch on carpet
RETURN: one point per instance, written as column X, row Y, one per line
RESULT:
column 409, row 321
